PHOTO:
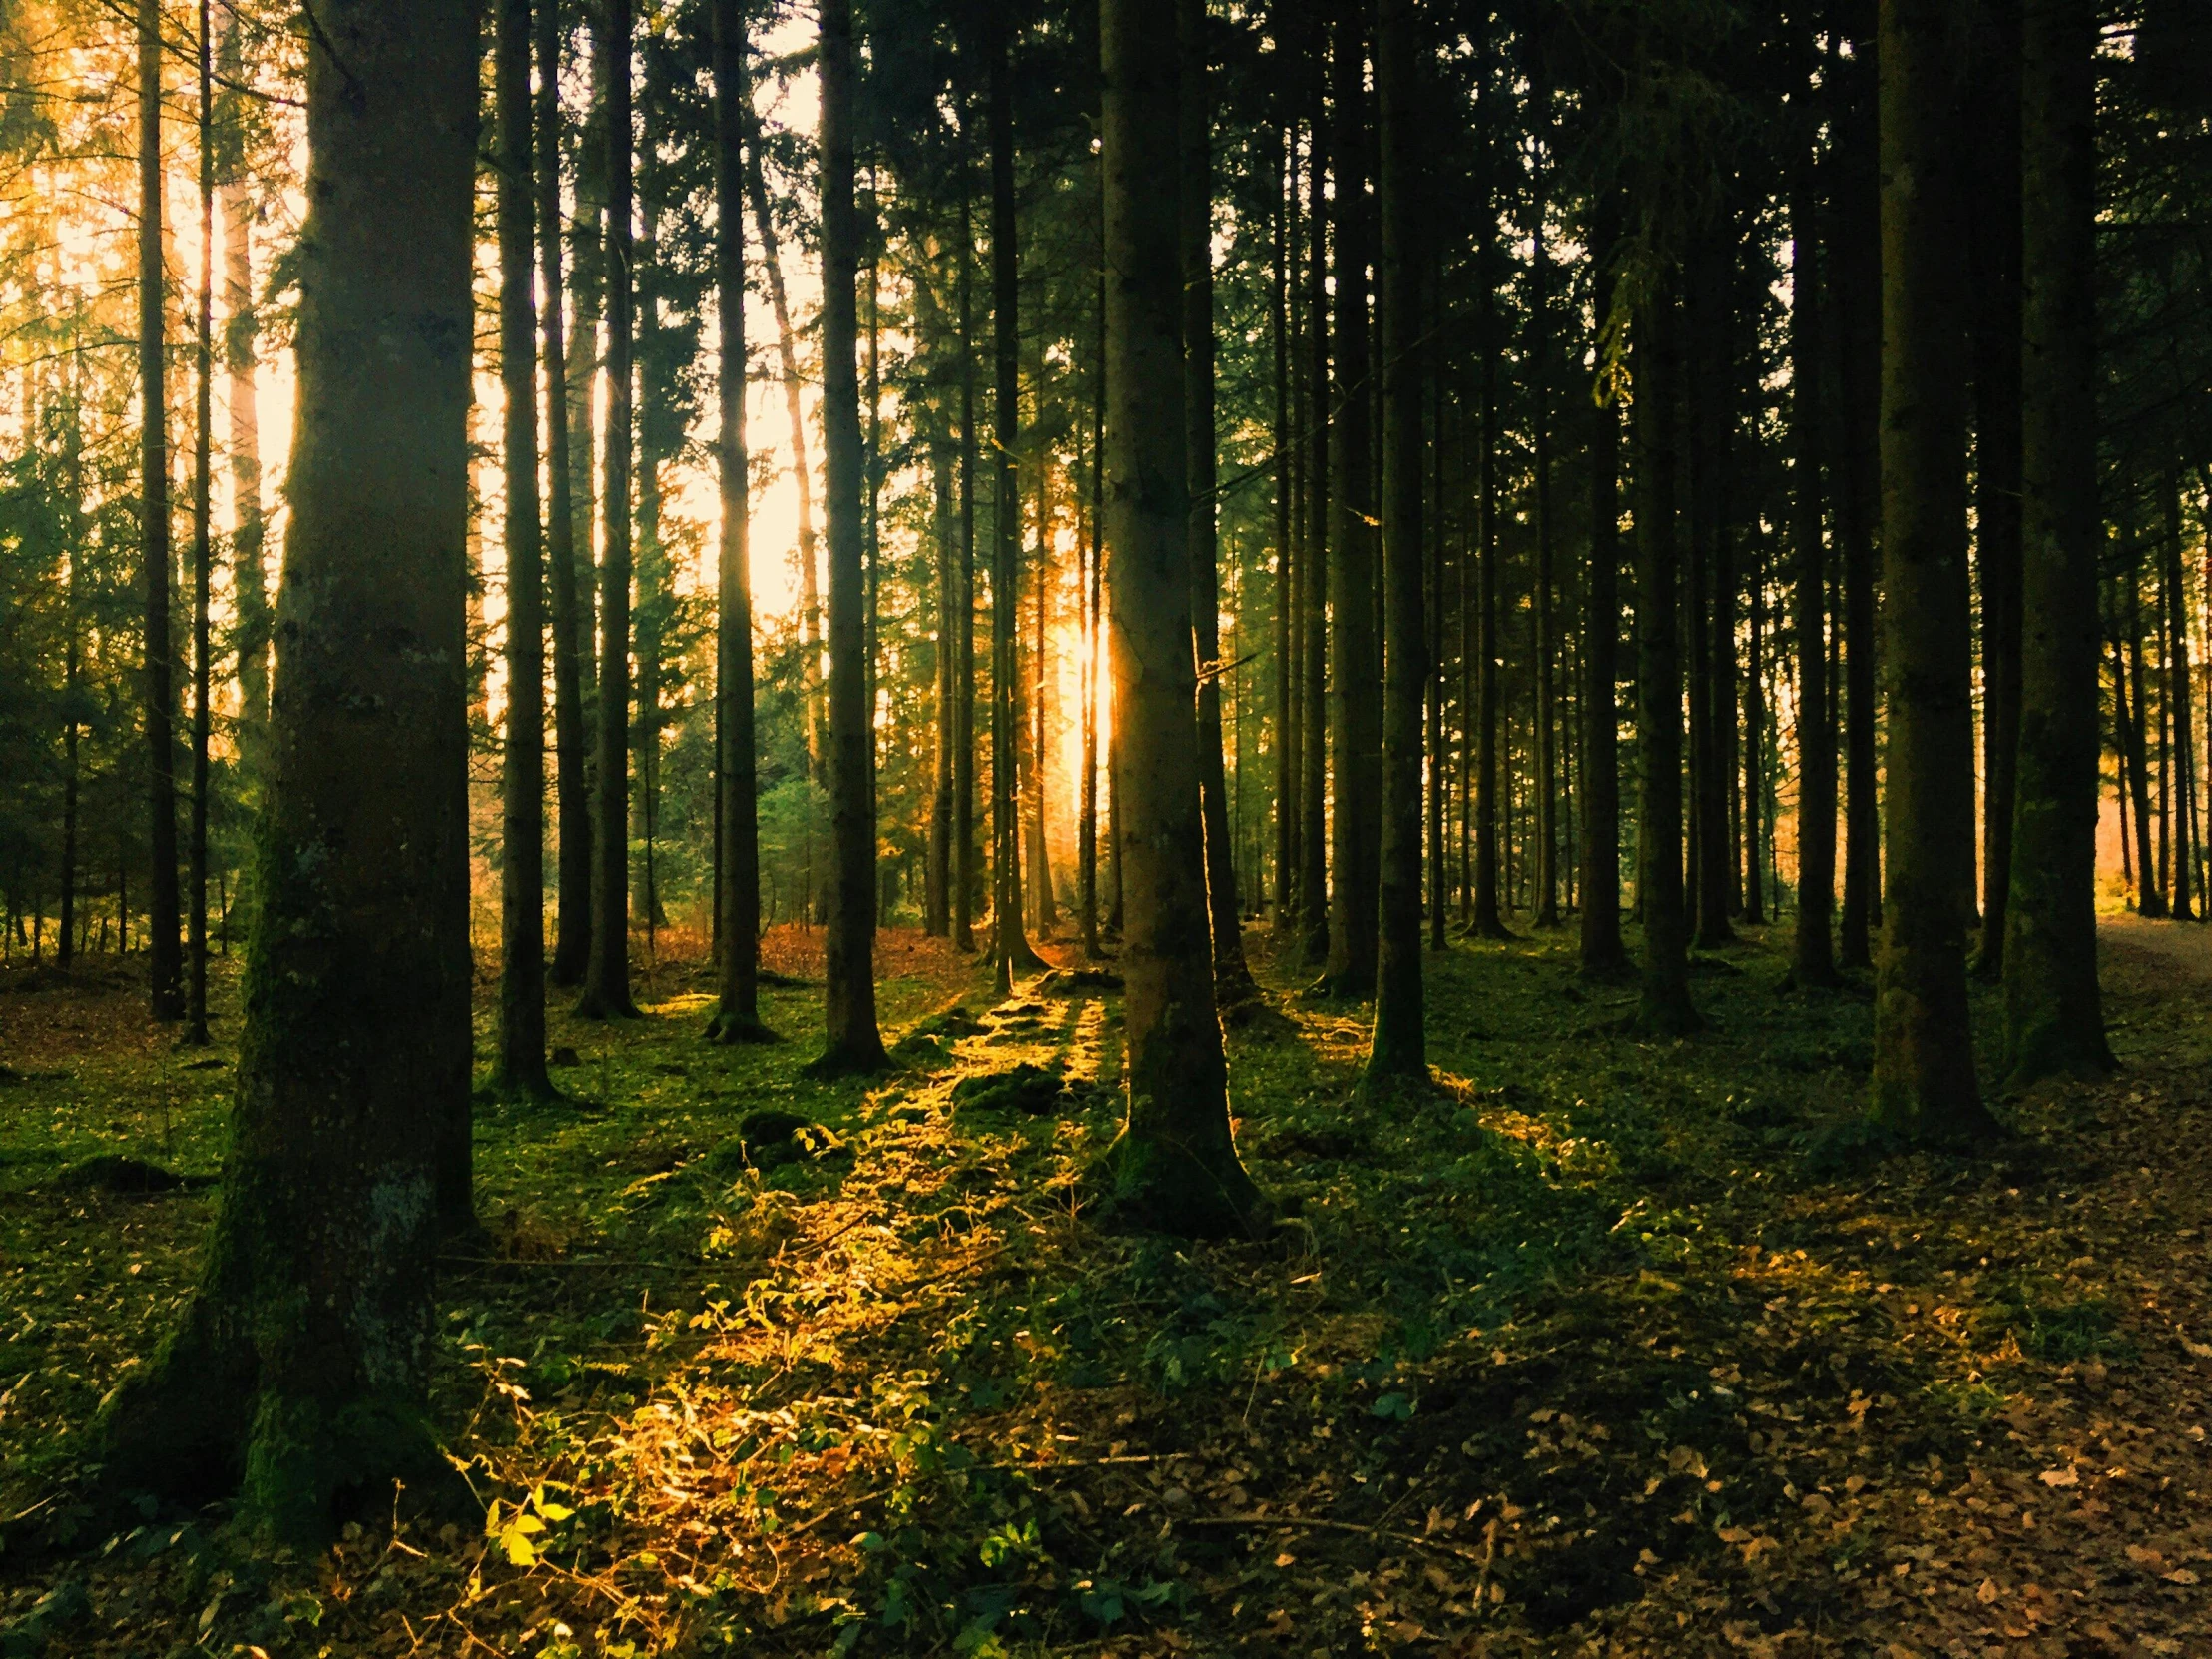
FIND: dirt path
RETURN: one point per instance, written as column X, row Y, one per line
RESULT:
column 2184, row 943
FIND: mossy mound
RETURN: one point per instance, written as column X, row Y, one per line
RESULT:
column 108, row 1173
column 1032, row 1089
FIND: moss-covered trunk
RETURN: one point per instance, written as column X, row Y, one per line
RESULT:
column 1174, row 1165
column 300, row 1363
column 2053, row 1010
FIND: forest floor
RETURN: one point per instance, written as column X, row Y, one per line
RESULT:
column 1605, row 1347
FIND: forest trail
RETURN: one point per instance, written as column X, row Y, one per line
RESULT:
column 2185, row 944
column 1605, row 1342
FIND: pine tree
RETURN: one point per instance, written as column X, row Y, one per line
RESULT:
column 299, row 1365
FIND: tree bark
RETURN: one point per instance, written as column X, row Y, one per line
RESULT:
column 1488, row 921
column 202, row 551
column 1399, row 1053
column 2053, row 1009
column 239, row 345
column 852, row 1042
column 1546, row 760
column 521, row 1067
column 803, row 473
column 1355, row 658
column 1286, row 737
column 163, row 949
column 1233, row 981
column 1924, row 1083
column 1993, row 264
column 1094, row 644
column 737, row 1019
column 607, row 970
column 2174, row 608
column 1854, row 283
column 1813, row 953
column 300, row 1364
column 966, row 878
column 1602, row 952
column 1664, row 1007
column 1312, row 810
column 1175, row 1164
column 938, row 878
column 571, row 623
column 1009, row 943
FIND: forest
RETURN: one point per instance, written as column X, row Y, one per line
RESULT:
column 1105, row 827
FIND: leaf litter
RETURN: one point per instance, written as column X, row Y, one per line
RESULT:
column 1600, row 1347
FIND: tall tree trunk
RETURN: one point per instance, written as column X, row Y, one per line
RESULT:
column 1094, row 644
column 937, row 879
column 1286, row 741
column 1665, row 1006
column 1034, row 725
column 2135, row 794
column 1546, row 758
column 1312, row 793
column 1009, row 943
column 239, row 345
column 300, row 1363
column 521, row 1067
column 2174, row 610
column 1603, row 953
column 1813, row 956
column 657, row 435
column 1438, row 692
column 966, row 878
column 1711, row 396
column 1175, row 1164
column 587, row 288
column 1488, row 921
column 571, row 601
column 1925, row 1084
column 1993, row 264
column 1854, row 283
column 164, row 952
column 73, row 652
column 607, row 973
column 852, row 1042
column 1755, row 749
column 202, row 550
column 737, row 1018
column 2150, row 892
column 1231, row 978
column 1355, row 658
column 802, row 474
column 2054, row 1009
column 1399, row 1048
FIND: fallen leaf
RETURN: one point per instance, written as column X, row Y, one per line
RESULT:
column 2059, row 1477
